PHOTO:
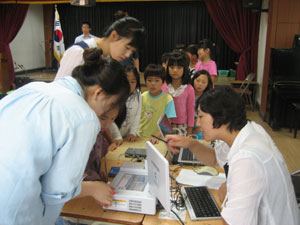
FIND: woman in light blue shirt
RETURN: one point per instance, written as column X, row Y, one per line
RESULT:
column 47, row 132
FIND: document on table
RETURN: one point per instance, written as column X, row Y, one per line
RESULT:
column 190, row 177
column 171, row 216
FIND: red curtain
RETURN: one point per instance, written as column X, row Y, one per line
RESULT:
column 12, row 17
column 239, row 28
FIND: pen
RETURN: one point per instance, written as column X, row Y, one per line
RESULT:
column 159, row 139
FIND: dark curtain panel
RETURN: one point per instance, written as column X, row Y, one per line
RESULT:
column 240, row 28
column 167, row 24
column 12, row 17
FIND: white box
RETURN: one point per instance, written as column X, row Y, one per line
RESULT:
column 132, row 190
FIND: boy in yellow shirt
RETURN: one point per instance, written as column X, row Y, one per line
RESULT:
column 155, row 102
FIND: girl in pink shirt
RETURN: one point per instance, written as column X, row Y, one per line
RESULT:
column 178, row 86
column 206, row 51
column 201, row 83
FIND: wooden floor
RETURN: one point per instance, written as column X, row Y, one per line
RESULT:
column 289, row 146
column 47, row 76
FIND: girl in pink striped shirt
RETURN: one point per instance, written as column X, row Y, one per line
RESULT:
column 179, row 87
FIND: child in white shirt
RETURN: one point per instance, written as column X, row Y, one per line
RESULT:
column 129, row 127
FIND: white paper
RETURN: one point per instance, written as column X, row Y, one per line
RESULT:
column 171, row 216
column 190, row 177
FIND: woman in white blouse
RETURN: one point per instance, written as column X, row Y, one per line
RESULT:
column 258, row 188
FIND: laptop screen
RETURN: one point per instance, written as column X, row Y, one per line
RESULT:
column 164, row 126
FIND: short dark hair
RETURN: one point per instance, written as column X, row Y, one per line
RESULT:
column 86, row 22
column 107, row 73
column 179, row 59
column 165, row 56
column 225, row 106
column 209, row 85
column 132, row 68
column 193, row 49
column 121, row 116
column 154, row 70
column 205, row 44
column 203, row 72
column 129, row 27
column 180, row 47
column 120, row 14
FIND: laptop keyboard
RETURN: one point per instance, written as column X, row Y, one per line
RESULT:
column 202, row 203
column 187, row 155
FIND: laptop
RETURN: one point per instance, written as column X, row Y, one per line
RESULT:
column 184, row 156
column 199, row 202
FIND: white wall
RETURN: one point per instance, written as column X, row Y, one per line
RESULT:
column 261, row 49
column 28, row 47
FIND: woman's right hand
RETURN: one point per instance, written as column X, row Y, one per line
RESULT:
column 102, row 193
column 175, row 142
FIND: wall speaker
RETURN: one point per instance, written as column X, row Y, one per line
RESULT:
column 296, row 43
column 251, row 4
column 85, row 3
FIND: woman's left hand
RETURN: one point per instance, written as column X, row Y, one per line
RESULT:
column 99, row 190
column 102, row 193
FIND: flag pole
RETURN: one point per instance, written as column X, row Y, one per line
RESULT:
column 58, row 40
